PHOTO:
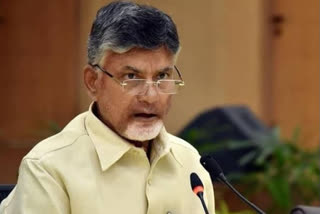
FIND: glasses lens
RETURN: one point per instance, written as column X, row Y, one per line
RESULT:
column 135, row 86
column 169, row 86
column 140, row 86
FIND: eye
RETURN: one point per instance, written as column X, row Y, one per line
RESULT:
column 130, row 76
column 163, row 75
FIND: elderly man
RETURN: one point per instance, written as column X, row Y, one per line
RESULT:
column 118, row 157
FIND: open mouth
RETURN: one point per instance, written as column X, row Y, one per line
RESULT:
column 144, row 115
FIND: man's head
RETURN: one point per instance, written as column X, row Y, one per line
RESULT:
column 132, row 42
column 120, row 26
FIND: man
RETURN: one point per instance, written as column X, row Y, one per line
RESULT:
column 118, row 157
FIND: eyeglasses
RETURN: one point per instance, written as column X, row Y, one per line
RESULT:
column 140, row 86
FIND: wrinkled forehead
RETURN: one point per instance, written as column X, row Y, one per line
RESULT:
column 139, row 58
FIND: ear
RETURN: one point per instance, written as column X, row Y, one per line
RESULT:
column 91, row 78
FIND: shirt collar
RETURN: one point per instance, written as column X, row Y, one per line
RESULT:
column 111, row 147
column 162, row 145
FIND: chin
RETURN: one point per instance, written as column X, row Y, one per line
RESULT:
column 138, row 132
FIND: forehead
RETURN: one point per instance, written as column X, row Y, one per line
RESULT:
column 142, row 59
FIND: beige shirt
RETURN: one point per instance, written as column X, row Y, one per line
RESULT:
column 89, row 169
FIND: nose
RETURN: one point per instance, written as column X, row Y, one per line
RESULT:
column 150, row 94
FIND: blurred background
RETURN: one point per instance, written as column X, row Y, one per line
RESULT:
column 261, row 54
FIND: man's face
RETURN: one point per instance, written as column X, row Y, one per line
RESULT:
column 132, row 116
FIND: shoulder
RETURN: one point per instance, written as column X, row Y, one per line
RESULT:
column 61, row 141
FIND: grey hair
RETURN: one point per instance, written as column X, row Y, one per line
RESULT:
column 120, row 26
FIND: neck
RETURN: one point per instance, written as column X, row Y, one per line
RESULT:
column 146, row 145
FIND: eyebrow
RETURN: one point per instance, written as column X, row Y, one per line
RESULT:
column 136, row 70
column 166, row 69
column 131, row 68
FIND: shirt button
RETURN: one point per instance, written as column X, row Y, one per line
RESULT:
column 149, row 182
column 169, row 212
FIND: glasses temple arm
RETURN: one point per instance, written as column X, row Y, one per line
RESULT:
column 101, row 69
column 180, row 76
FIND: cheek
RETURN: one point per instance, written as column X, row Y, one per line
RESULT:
column 166, row 103
column 115, row 105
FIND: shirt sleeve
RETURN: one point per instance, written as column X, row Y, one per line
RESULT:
column 36, row 192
